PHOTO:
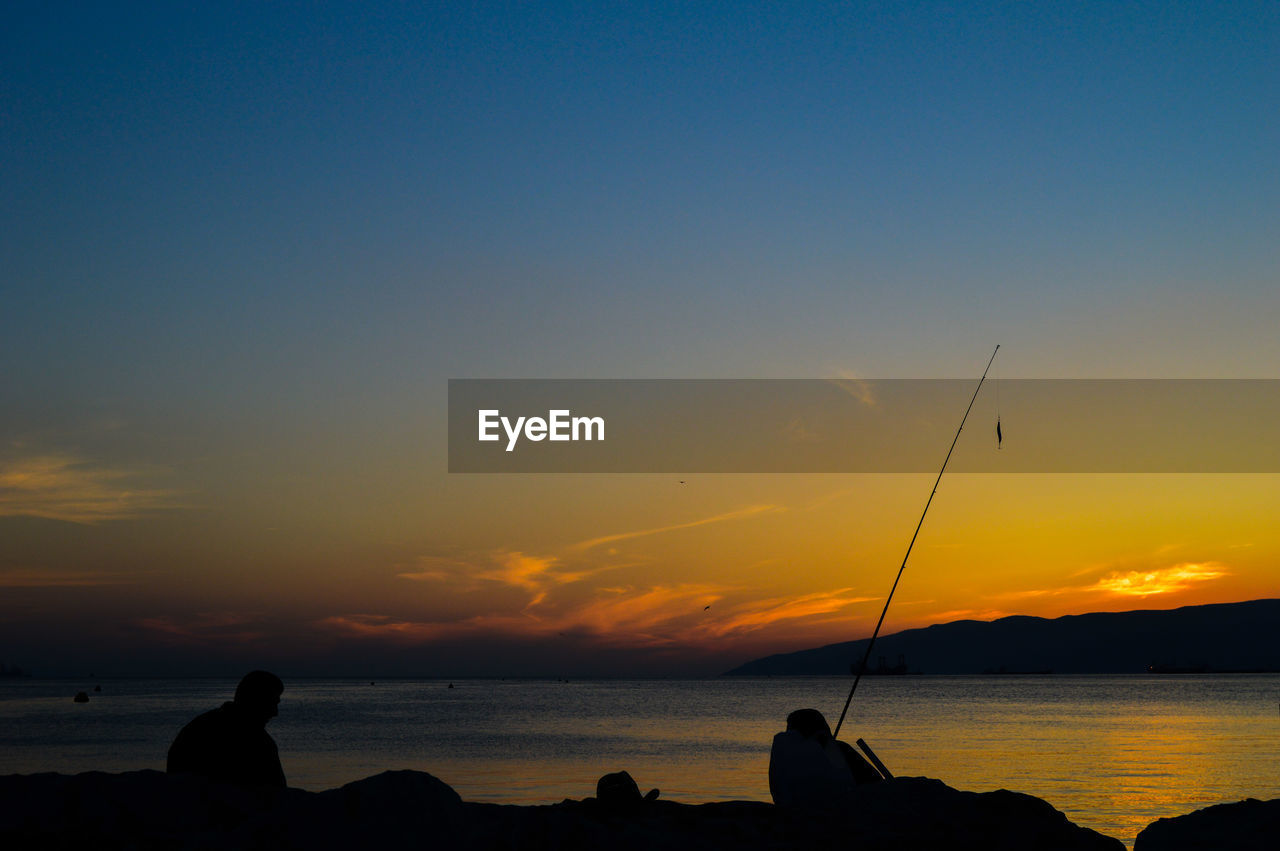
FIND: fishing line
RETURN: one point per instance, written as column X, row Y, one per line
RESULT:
column 866, row 656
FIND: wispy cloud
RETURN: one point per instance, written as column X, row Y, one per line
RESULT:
column 859, row 388
column 385, row 627
column 759, row 614
column 798, row 431
column 656, row 615
column 969, row 615
column 827, row 498
column 620, row 613
column 62, row 487
column 537, row 575
column 533, row 573
column 204, row 628
column 663, row 615
column 434, row 569
column 41, row 578
column 652, row 615
column 738, row 514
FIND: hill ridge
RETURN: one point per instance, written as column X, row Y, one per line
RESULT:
column 1242, row 636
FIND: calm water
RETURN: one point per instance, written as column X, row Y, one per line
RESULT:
column 1113, row 753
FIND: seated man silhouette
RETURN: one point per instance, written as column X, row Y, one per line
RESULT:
column 810, row 768
column 231, row 743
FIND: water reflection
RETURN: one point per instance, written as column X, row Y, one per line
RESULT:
column 1114, row 753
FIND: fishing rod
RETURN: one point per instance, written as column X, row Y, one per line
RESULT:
column 867, row 656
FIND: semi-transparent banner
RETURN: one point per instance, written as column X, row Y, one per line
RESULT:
column 863, row 426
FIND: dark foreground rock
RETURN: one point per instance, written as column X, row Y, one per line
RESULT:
column 409, row 809
column 1250, row 825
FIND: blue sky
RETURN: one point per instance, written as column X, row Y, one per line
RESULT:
column 640, row 181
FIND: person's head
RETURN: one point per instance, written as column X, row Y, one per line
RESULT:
column 809, row 723
column 259, row 694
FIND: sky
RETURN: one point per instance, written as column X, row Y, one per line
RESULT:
column 244, row 249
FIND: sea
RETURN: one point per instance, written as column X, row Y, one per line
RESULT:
column 1113, row 753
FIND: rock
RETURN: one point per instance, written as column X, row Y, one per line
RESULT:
column 619, row 789
column 1250, row 825
column 917, row 812
column 148, row 809
column 389, row 807
column 899, row 815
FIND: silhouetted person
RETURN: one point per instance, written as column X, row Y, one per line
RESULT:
column 808, row 767
column 231, row 743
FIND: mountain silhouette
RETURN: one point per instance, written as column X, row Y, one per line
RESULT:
column 1220, row 637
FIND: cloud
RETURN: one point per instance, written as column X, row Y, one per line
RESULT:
column 1145, row 583
column 204, row 628
column 969, row 615
column 749, row 511
column 827, row 498
column 660, row 615
column 796, row 431
column 533, row 573
column 634, row 614
column 61, row 487
column 537, row 575
column 434, row 569
column 385, row 627
column 40, row 578
column 616, row 615
column 1133, row 583
column 766, row 612
column 859, row 388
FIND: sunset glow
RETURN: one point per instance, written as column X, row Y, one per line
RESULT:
column 244, row 257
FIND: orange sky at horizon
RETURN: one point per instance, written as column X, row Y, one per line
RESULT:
column 578, row 569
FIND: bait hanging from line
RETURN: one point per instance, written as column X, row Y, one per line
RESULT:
column 999, row 434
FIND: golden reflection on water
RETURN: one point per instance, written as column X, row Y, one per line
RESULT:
column 1113, row 753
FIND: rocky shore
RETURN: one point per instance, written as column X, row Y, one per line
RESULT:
column 152, row 810
column 1249, row 825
